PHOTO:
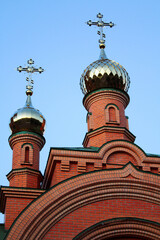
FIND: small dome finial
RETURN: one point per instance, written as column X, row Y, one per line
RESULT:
column 101, row 25
column 30, row 69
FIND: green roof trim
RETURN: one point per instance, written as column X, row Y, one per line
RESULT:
column 2, row 231
column 152, row 155
column 90, row 149
column 77, row 176
column 27, row 144
column 88, row 113
column 26, row 132
column 121, row 219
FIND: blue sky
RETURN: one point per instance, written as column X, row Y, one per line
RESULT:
column 55, row 35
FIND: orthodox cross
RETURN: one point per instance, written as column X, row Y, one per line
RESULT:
column 30, row 69
column 101, row 25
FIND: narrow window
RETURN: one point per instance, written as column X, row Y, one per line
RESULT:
column 27, row 155
column 112, row 114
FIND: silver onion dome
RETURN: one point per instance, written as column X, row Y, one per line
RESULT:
column 104, row 73
column 27, row 119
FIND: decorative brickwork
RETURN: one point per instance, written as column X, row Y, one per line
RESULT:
column 122, row 228
column 64, row 163
column 92, row 196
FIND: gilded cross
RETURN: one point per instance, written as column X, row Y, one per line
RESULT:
column 101, row 24
column 30, row 69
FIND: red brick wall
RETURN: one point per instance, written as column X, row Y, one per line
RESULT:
column 17, row 156
column 96, row 105
column 59, row 175
column 121, row 158
column 115, row 160
column 106, row 108
column 13, row 207
column 82, row 218
column 20, row 177
column 98, row 112
column 25, row 180
column 100, row 139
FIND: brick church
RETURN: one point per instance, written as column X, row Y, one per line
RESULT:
column 107, row 189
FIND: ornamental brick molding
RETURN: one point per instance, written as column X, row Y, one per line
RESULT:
column 119, row 228
column 97, row 95
column 91, row 193
column 98, row 157
column 25, row 137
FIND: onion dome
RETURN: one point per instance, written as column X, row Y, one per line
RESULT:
column 104, row 73
column 27, row 119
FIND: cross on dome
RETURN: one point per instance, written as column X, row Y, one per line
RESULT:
column 101, row 24
column 30, row 69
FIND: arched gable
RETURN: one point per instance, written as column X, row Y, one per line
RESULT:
column 73, row 161
column 94, row 189
column 126, row 147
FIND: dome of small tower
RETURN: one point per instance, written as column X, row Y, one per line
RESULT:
column 27, row 119
column 104, row 73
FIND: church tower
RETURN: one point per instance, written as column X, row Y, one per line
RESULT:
column 105, row 84
column 27, row 127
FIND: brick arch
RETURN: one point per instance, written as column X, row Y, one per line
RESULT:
column 122, row 155
column 112, row 114
column 122, row 146
column 121, row 228
column 23, row 151
column 84, row 190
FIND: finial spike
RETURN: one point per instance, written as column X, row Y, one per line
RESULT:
column 102, row 54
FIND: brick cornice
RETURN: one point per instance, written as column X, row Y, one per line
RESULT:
column 25, row 136
column 107, row 129
column 105, row 93
column 95, row 156
column 16, row 192
column 20, row 171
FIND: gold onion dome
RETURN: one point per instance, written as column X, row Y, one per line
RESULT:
column 27, row 118
column 104, row 73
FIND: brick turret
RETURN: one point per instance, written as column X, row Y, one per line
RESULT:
column 106, row 117
column 27, row 126
column 25, row 163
